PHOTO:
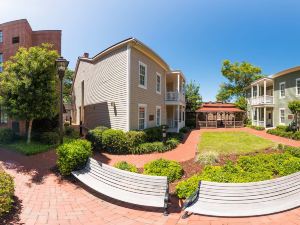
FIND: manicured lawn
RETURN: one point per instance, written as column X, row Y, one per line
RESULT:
column 32, row 148
column 231, row 142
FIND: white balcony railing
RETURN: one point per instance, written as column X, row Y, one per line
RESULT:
column 175, row 96
column 262, row 100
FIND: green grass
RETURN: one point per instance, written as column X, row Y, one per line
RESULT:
column 231, row 142
column 32, row 148
column 27, row 149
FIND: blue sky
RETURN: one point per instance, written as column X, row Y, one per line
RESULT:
column 192, row 35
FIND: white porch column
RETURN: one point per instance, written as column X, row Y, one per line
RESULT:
column 265, row 117
column 265, row 91
column 178, row 111
column 257, row 123
column 178, row 86
column 252, row 115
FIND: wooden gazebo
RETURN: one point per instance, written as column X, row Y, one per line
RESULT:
column 216, row 114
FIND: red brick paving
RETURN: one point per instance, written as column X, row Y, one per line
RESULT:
column 46, row 199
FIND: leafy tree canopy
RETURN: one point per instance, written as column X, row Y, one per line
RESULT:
column 68, row 82
column 29, row 84
column 192, row 96
column 239, row 76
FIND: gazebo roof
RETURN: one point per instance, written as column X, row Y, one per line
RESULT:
column 219, row 107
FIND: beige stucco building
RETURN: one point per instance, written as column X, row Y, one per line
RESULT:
column 129, row 87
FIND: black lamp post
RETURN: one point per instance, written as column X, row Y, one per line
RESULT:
column 61, row 67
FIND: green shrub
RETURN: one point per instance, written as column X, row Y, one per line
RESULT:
column 95, row 136
column 172, row 143
column 184, row 130
column 134, row 139
column 7, row 190
column 115, row 141
column 50, row 138
column 283, row 131
column 71, row 132
column 149, row 147
column 6, row 135
column 246, row 169
column 256, row 127
column 164, row 167
column 294, row 151
column 208, row 158
column 178, row 136
column 123, row 165
column 153, row 134
column 73, row 155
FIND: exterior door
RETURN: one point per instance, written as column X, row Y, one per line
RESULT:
column 269, row 118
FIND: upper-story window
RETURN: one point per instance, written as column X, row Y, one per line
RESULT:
column 298, row 86
column 15, row 40
column 142, row 75
column 1, row 62
column 158, row 83
column 282, row 89
column 1, row 36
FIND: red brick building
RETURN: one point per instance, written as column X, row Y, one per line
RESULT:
column 16, row 34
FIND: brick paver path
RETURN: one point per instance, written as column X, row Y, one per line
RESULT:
column 44, row 198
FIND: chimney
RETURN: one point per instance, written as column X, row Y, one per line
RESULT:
column 85, row 55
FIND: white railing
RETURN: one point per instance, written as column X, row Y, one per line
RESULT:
column 258, row 123
column 175, row 96
column 262, row 100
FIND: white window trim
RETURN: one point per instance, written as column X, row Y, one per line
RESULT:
column 146, row 76
column 280, row 90
column 280, row 116
column 156, row 108
column 297, row 94
column 145, row 123
column 158, row 92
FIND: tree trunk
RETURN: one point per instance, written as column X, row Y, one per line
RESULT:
column 29, row 132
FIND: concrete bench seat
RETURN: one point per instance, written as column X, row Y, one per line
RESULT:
column 125, row 186
column 245, row 199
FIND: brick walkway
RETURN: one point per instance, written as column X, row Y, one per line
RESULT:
column 43, row 198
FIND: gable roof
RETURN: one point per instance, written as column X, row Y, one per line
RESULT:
column 284, row 72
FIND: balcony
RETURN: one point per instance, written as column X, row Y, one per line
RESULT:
column 175, row 96
column 262, row 100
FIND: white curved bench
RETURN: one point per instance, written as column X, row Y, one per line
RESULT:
column 125, row 186
column 245, row 199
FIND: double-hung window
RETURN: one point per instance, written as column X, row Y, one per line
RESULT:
column 282, row 116
column 142, row 111
column 158, row 115
column 142, row 75
column 298, row 87
column 282, row 90
column 1, row 36
column 158, row 83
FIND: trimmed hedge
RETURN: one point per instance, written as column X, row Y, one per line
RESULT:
column 50, row 138
column 134, row 139
column 246, row 169
column 115, row 141
column 153, row 134
column 95, row 136
column 284, row 131
column 164, row 167
column 6, row 135
column 256, row 127
column 123, row 165
column 7, row 189
column 71, row 132
column 73, row 155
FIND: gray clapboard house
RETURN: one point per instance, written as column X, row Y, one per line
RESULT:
column 268, row 98
column 129, row 87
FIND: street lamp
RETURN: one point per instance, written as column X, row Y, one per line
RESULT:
column 61, row 67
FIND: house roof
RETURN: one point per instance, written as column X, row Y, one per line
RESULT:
column 284, row 72
column 219, row 107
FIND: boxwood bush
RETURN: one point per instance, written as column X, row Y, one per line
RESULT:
column 246, row 169
column 6, row 135
column 95, row 136
column 123, row 165
column 256, row 127
column 153, row 134
column 164, row 167
column 115, row 141
column 73, row 155
column 134, row 139
column 6, row 192
column 51, row 138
